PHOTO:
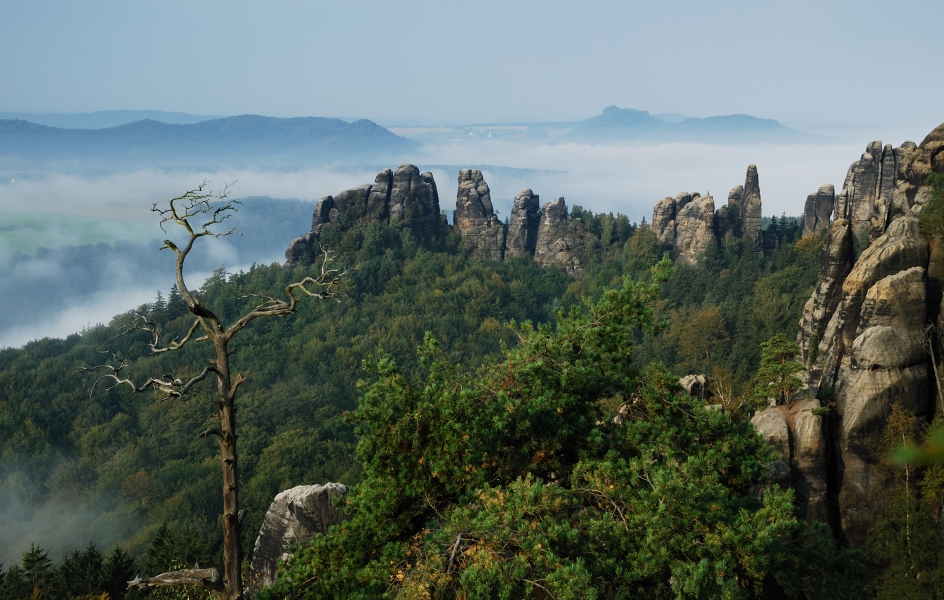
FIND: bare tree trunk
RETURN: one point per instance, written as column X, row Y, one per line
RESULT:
column 197, row 204
column 232, row 549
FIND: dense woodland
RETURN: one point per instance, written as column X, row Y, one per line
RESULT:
column 421, row 327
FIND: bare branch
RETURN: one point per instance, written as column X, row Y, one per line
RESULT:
column 321, row 287
column 211, row 431
column 208, row 578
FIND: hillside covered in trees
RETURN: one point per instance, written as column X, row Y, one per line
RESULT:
column 130, row 473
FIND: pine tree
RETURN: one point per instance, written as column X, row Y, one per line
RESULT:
column 776, row 377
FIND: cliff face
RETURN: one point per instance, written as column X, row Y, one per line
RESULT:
column 410, row 199
column 863, row 331
column 818, row 210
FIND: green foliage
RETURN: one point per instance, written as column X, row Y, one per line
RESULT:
column 931, row 218
column 513, row 480
column 776, row 377
column 80, row 575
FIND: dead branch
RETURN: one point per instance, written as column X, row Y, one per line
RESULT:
column 208, row 578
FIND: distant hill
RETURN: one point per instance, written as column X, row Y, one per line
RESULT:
column 106, row 118
column 247, row 140
column 616, row 124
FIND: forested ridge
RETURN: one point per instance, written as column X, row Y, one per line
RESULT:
column 140, row 478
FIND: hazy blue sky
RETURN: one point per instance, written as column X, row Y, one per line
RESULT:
column 442, row 61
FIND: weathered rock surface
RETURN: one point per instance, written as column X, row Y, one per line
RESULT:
column 694, row 228
column 523, row 225
column 475, row 220
column 835, row 263
column 818, row 210
column 744, row 202
column 561, row 239
column 663, row 220
column 772, row 425
column 296, row 516
column 406, row 196
column 886, row 364
column 917, row 162
column 866, row 196
column 695, row 385
column 902, row 247
column 796, row 434
column 414, row 198
column 808, row 463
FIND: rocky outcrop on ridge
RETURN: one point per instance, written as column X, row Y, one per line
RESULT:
column 694, row 228
column 295, row 517
column 749, row 205
column 404, row 196
column 475, row 219
column 689, row 222
column 561, row 239
column 410, row 199
column 818, row 210
column 862, row 334
column 865, row 199
column 522, row 235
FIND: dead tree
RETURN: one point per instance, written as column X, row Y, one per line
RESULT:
column 201, row 213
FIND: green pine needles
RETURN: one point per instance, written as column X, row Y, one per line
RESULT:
column 560, row 471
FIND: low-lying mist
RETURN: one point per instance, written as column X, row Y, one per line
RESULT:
column 71, row 285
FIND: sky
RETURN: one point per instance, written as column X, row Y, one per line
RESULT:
column 862, row 62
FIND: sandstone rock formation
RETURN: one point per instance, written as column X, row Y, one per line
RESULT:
column 818, row 210
column 886, row 364
column 834, row 265
column 663, row 220
column 475, row 220
column 866, row 196
column 561, row 239
column 406, row 197
column 796, row 433
column 294, row 517
column 746, row 200
column 772, row 425
column 410, row 199
column 689, row 222
column 902, row 247
column 695, row 385
column 694, row 228
column 523, row 226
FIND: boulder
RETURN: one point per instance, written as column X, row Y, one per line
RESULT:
column 695, row 385
column 294, row 518
column 818, row 210
column 772, row 425
column 523, row 225
column 475, row 220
